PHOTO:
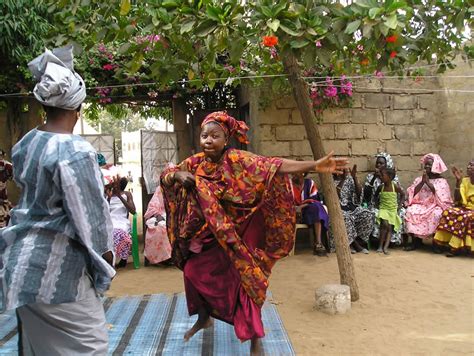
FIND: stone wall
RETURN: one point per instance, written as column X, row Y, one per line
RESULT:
column 406, row 118
column 456, row 124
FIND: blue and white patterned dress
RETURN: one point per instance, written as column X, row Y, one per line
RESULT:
column 60, row 227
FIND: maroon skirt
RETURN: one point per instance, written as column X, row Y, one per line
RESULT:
column 211, row 281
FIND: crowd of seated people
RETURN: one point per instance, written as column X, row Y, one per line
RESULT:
column 382, row 213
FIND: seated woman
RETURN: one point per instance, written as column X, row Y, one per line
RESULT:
column 372, row 183
column 157, row 245
column 359, row 221
column 456, row 226
column 428, row 196
column 313, row 213
column 121, row 204
column 6, row 174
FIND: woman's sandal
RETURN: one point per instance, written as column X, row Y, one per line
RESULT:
column 319, row 250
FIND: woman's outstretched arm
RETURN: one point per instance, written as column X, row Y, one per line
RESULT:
column 327, row 164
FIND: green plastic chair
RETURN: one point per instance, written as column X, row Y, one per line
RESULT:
column 135, row 253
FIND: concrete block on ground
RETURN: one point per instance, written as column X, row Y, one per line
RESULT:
column 333, row 299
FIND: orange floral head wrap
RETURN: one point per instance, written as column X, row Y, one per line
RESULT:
column 231, row 126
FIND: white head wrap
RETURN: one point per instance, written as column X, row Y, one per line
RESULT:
column 58, row 85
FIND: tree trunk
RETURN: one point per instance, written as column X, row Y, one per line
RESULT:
column 301, row 95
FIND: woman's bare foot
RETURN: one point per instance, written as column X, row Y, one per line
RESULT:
column 204, row 321
column 256, row 347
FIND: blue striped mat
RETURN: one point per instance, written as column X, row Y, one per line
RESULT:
column 155, row 325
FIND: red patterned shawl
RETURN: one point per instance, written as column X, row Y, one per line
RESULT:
column 226, row 194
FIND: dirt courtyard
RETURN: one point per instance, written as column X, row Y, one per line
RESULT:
column 411, row 302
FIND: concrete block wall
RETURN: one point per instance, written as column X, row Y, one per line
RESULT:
column 386, row 115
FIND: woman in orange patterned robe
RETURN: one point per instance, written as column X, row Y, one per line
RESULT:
column 230, row 217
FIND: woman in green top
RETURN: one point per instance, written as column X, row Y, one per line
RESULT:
column 390, row 197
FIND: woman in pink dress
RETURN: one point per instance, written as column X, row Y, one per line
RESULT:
column 157, row 244
column 428, row 196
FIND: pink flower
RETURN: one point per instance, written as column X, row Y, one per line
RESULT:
column 360, row 47
column 330, row 91
column 318, row 44
column 230, row 68
column 108, row 66
column 378, row 74
column 273, row 53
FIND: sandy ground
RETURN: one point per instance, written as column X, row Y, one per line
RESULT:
column 412, row 303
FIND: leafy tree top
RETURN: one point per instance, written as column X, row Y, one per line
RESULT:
column 202, row 40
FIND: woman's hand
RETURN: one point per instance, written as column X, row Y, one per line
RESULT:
column 330, row 164
column 458, row 174
column 186, row 179
column 116, row 186
column 354, row 172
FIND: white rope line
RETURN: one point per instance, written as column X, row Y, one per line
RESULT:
column 338, row 78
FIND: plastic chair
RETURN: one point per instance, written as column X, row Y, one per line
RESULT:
column 135, row 253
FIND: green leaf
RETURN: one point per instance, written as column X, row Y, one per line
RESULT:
column 367, row 30
column 324, row 56
column 211, row 82
column 169, row 4
column 129, row 29
column 266, row 11
column 384, row 29
column 395, row 5
column 299, row 43
column 213, row 13
column 168, row 26
column 338, row 25
column 205, row 28
column 309, row 56
column 352, row 27
column 187, row 26
column 391, row 22
column 311, row 31
column 190, row 74
column 124, row 48
column 273, row 24
column 459, row 21
column 374, row 12
column 290, row 31
column 279, row 8
column 125, row 7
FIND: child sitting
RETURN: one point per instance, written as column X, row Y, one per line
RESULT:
column 389, row 201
